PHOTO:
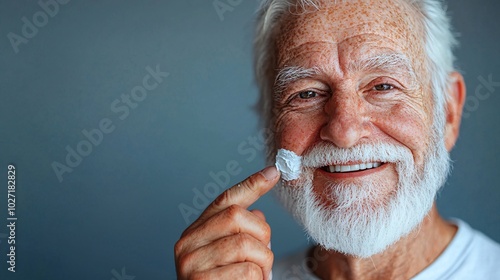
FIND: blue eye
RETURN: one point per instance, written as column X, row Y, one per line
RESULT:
column 383, row 87
column 307, row 94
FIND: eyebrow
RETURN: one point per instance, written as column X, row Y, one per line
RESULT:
column 385, row 62
column 290, row 74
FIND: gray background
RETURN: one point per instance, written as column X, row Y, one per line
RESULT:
column 119, row 208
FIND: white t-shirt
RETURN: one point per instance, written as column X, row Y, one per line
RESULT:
column 470, row 255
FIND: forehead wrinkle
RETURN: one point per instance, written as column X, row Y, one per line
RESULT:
column 293, row 53
column 331, row 60
column 368, row 45
column 361, row 28
column 372, row 36
column 340, row 20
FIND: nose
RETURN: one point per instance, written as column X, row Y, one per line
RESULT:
column 347, row 122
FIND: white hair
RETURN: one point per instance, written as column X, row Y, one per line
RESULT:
column 439, row 60
column 365, row 219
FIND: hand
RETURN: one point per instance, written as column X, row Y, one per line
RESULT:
column 227, row 241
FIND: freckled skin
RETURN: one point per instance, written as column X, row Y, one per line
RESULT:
column 332, row 37
column 344, row 32
column 347, row 111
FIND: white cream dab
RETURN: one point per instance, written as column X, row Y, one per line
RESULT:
column 289, row 164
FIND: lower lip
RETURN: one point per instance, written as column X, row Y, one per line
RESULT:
column 353, row 174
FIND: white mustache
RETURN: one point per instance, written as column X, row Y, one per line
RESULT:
column 326, row 154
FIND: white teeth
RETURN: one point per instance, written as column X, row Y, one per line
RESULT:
column 345, row 168
column 354, row 167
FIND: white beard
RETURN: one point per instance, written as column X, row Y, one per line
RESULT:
column 351, row 224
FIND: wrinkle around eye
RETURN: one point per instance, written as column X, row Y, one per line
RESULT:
column 314, row 97
column 290, row 88
column 394, row 87
column 293, row 104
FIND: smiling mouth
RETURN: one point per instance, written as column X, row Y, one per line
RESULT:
column 351, row 168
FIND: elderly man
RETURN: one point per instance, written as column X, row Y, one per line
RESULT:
column 365, row 92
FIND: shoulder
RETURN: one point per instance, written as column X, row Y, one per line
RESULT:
column 483, row 253
column 470, row 255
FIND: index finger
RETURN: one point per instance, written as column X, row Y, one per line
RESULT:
column 245, row 193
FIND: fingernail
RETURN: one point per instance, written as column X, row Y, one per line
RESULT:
column 270, row 173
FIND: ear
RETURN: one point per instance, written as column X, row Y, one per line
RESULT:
column 454, row 107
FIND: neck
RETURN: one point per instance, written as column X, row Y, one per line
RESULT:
column 403, row 260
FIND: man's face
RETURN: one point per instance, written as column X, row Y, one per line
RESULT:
column 362, row 91
column 351, row 79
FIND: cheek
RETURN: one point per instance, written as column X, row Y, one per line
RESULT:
column 298, row 131
column 409, row 126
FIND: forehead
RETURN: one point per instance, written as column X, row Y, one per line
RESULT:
column 350, row 28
